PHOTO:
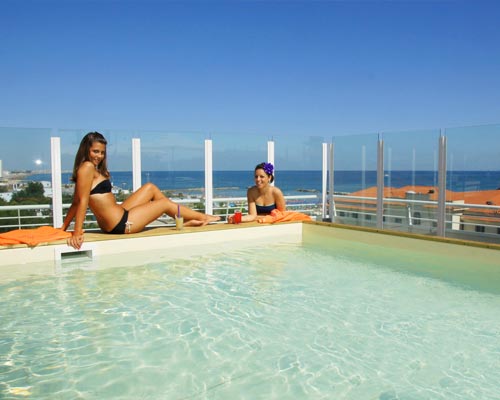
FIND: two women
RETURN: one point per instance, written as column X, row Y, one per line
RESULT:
column 263, row 197
column 93, row 190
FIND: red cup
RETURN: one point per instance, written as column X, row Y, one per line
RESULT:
column 237, row 217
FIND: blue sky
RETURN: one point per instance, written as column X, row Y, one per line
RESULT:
column 298, row 70
column 291, row 68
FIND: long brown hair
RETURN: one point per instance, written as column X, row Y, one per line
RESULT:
column 82, row 154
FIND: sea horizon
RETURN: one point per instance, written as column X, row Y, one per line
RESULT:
column 297, row 182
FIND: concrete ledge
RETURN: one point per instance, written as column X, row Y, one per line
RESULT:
column 190, row 241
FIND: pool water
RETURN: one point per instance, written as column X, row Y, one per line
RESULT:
column 271, row 322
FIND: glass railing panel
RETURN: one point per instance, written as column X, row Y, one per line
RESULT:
column 175, row 162
column 355, row 179
column 25, row 177
column 235, row 156
column 411, row 181
column 473, row 183
column 298, row 161
column 119, row 154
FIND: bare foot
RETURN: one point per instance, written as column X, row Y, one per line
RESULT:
column 212, row 218
column 208, row 219
column 194, row 222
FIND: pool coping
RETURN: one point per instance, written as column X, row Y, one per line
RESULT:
column 102, row 244
column 219, row 233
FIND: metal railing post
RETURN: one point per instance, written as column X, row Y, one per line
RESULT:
column 270, row 155
column 55, row 157
column 380, row 183
column 136, row 164
column 331, row 201
column 324, row 177
column 441, row 211
column 209, row 206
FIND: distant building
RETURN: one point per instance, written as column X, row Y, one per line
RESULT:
column 47, row 188
column 7, row 196
column 414, row 208
column 1, row 169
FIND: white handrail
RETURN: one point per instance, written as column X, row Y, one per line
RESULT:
column 228, row 207
column 394, row 200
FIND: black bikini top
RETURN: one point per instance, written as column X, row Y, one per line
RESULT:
column 261, row 210
column 102, row 187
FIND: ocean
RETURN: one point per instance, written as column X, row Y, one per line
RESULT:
column 235, row 183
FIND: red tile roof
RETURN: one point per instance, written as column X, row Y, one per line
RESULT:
column 478, row 197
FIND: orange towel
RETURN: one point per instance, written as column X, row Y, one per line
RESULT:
column 283, row 216
column 32, row 237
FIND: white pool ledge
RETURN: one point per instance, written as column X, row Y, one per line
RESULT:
column 186, row 243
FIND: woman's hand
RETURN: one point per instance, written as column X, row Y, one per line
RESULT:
column 76, row 240
column 230, row 219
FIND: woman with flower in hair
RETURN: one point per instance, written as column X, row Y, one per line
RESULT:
column 263, row 197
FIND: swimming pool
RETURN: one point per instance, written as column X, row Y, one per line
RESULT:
column 329, row 318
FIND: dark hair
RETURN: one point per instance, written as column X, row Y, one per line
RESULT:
column 267, row 168
column 82, row 154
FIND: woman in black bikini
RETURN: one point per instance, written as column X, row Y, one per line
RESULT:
column 93, row 190
column 263, row 197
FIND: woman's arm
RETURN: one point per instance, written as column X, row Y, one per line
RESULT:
column 69, row 216
column 279, row 199
column 252, row 213
column 78, row 209
column 252, row 210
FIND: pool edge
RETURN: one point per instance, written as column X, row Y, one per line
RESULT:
column 102, row 244
column 437, row 239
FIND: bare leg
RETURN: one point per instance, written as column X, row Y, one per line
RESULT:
column 192, row 217
column 206, row 219
column 145, row 194
column 148, row 203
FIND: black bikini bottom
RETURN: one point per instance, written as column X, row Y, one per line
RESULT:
column 120, row 227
